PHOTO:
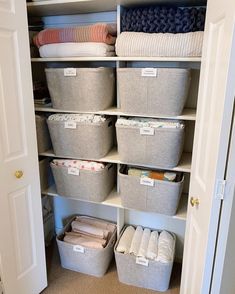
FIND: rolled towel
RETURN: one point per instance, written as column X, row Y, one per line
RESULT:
column 135, row 244
column 166, row 246
column 83, row 241
column 144, row 243
column 125, row 240
column 89, row 230
column 152, row 246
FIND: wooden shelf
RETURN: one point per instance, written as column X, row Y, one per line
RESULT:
column 114, row 200
column 116, row 58
column 188, row 113
column 113, row 157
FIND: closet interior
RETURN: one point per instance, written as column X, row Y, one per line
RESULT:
column 124, row 78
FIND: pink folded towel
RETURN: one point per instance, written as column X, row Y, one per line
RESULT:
column 89, row 230
column 85, row 241
column 100, row 33
column 97, row 223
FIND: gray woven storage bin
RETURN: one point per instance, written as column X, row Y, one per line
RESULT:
column 162, row 198
column 87, row 141
column 43, row 136
column 89, row 185
column 92, row 89
column 156, row 276
column 163, row 94
column 93, row 261
column 161, row 150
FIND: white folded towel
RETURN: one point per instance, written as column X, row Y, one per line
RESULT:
column 152, row 246
column 144, row 243
column 166, row 246
column 76, row 49
column 135, row 244
column 125, row 240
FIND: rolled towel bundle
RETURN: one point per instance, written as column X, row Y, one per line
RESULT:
column 166, row 244
column 89, row 230
column 125, row 240
column 79, row 239
column 144, row 243
column 153, row 246
column 136, row 241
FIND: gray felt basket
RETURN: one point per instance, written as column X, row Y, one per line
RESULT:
column 163, row 197
column 87, row 140
column 88, row 185
column 92, row 261
column 163, row 94
column 156, row 276
column 161, row 150
column 43, row 136
column 92, row 89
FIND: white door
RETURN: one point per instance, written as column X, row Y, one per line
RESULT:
column 22, row 253
column 214, row 114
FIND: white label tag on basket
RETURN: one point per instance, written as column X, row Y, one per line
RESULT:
column 149, row 72
column 147, row 182
column 78, row 248
column 70, row 125
column 73, row 171
column 70, row 72
column 147, row 131
column 142, row 261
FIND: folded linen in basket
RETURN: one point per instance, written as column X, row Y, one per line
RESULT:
column 89, row 230
column 97, row 223
column 152, row 246
column 148, row 122
column 136, row 241
column 125, row 240
column 144, row 243
column 81, row 118
column 163, row 19
column 100, row 33
column 159, row 45
column 165, row 247
column 83, row 240
column 80, row 164
column 76, row 50
column 157, row 175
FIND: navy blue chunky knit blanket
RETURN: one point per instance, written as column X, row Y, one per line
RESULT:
column 161, row 19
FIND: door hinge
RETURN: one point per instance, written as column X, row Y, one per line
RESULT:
column 220, row 189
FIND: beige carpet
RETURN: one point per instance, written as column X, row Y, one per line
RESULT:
column 63, row 281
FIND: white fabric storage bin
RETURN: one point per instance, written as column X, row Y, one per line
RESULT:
column 161, row 149
column 43, row 136
column 87, row 185
column 153, row 91
column 162, row 197
column 84, row 140
column 92, row 261
column 84, row 89
column 155, row 276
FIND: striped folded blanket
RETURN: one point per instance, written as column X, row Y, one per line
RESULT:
column 159, row 45
column 99, row 33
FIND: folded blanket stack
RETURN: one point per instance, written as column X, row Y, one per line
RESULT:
column 156, row 175
column 89, row 232
column 150, row 245
column 162, row 32
column 40, row 93
column 150, row 122
column 80, row 164
column 92, row 40
column 79, row 118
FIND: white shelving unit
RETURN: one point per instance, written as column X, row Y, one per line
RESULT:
column 51, row 9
